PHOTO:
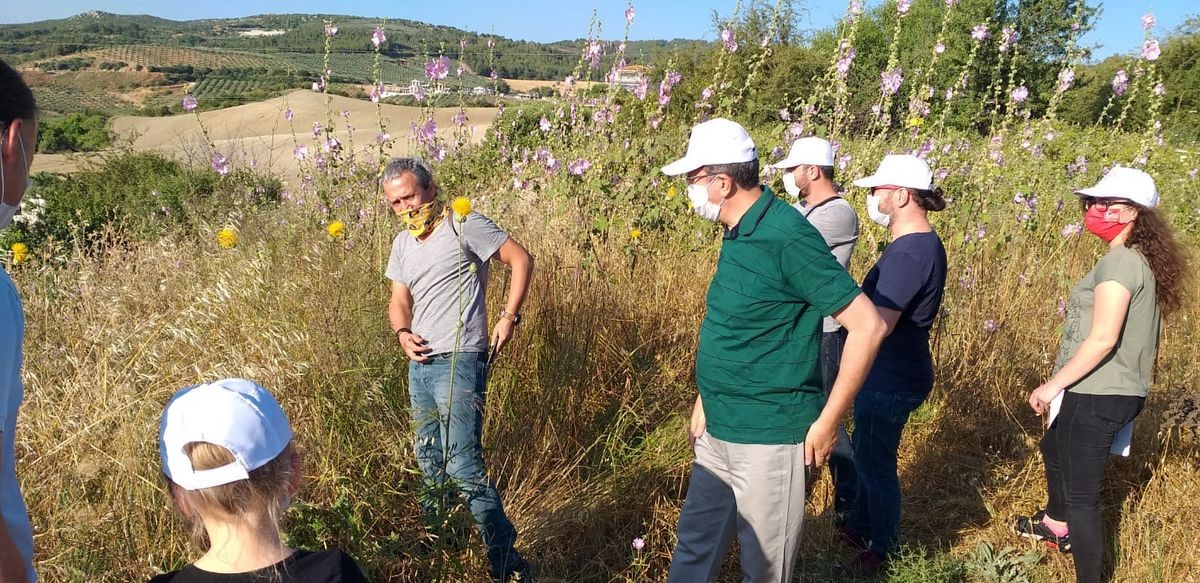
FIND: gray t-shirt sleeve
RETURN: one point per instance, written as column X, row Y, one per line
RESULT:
column 836, row 221
column 393, row 271
column 482, row 236
column 1123, row 266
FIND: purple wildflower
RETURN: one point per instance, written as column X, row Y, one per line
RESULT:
column 1151, row 50
column 428, row 131
column 1120, row 83
column 1159, row 89
column 1062, row 307
column 640, row 90
column 1148, row 21
column 980, row 32
column 729, row 40
column 1020, row 94
column 189, row 103
column 330, row 30
column 891, row 80
column 437, row 69
column 220, row 164
column 594, row 51
column 1008, row 36
column 856, row 7
column 629, row 14
column 902, row 7
column 578, row 167
column 300, row 152
column 376, row 93
column 1065, row 78
column 845, row 62
column 545, row 124
column 638, row 543
column 990, row 326
column 1072, row 230
column 378, row 37
column 288, row 115
column 460, row 119
column 939, row 48
column 382, row 137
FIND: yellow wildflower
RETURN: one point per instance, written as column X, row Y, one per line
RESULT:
column 461, row 207
column 227, row 238
column 916, row 122
column 20, row 252
column 671, row 192
column 635, row 233
column 336, row 229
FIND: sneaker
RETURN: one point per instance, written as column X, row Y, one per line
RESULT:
column 522, row 572
column 866, row 564
column 1031, row 527
column 849, row 537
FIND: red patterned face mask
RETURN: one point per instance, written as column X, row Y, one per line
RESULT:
column 1103, row 223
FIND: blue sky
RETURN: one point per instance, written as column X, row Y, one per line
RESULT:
column 1118, row 30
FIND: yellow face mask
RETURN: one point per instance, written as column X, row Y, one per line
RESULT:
column 422, row 220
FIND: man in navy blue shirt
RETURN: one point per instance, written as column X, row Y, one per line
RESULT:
column 906, row 286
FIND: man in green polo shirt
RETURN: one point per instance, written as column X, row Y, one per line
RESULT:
column 761, row 417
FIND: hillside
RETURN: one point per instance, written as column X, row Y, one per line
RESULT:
column 272, row 35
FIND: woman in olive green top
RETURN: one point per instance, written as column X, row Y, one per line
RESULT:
column 1106, row 360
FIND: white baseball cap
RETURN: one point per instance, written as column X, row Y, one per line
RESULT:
column 1128, row 183
column 716, row 141
column 236, row 414
column 903, row 170
column 811, row 151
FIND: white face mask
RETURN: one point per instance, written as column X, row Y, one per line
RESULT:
column 789, row 184
column 8, row 211
column 873, row 211
column 698, row 195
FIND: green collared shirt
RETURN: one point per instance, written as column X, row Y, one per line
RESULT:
column 758, row 362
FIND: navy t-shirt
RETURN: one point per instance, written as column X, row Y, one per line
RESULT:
column 909, row 278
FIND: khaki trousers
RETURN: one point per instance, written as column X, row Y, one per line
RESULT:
column 754, row 491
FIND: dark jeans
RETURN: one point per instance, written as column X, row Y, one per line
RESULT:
column 879, row 418
column 448, row 421
column 841, row 461
column 1075, row 449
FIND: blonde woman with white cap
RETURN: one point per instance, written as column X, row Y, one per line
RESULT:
column 1106, row 360
column 905, row 285
column 228, row 457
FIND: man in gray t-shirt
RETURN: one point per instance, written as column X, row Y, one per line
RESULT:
column 808, row 176
column 438, row 311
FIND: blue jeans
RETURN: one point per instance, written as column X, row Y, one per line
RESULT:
column 879, row 419
column 448, row 422
column 841, row 461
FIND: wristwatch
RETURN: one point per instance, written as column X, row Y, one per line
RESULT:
column 516, row 318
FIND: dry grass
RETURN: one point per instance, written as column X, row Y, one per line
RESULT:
column 585, row 429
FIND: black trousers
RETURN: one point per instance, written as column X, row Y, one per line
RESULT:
column 1075, row 449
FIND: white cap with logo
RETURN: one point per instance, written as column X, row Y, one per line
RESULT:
column 903, row 170
column 716, row 141
column 810, row 151
column 1128, row 183
column 236, row 414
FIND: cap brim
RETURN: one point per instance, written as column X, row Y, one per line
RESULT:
column 869, row 182
column 681, row 166
column 786, row 163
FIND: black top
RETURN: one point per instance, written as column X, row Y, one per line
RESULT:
column 909, row 278
column 331, row 566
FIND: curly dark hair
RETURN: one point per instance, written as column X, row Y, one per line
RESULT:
column 1168, row 260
